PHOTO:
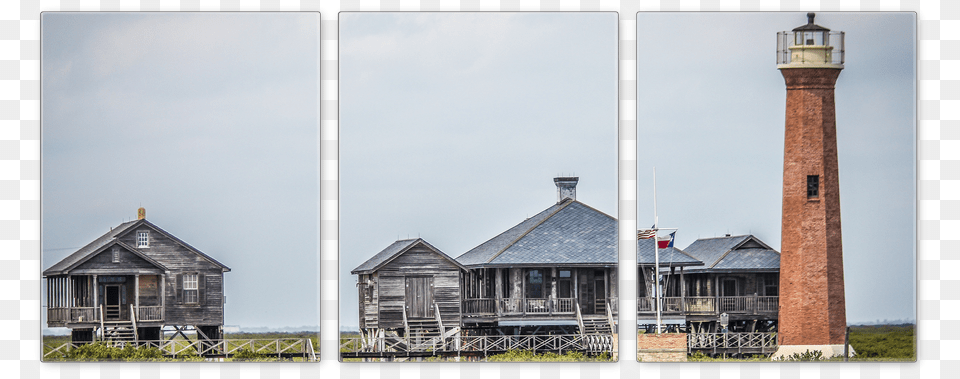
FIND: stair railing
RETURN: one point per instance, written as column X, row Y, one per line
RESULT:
column 610, row 318
column 436, row 313
column 406, row 326
column 133, row 320
column 103, row 332
column 579, row 318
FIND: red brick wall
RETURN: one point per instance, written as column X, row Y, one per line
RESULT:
column 667, row 347
column 812, row 307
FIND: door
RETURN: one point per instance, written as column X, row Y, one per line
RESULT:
column 112, row 303
column 600, row 291
column 585, row 294
column 419, row 297
column 728, row 292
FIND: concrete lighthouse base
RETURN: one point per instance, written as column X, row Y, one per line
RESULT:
column 828, row 351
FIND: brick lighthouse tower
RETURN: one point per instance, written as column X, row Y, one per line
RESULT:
column 812, row 307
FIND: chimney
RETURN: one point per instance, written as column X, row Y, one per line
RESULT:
column 566, row 187
column 141, row 213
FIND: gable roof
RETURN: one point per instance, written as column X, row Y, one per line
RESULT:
column 111, row 238
column 395, row 250
column 89, row 250
column 670, row 257
column 734, row 253
column 567, row 233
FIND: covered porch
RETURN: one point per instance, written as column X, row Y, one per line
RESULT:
column 89, row 300
column 539, row 292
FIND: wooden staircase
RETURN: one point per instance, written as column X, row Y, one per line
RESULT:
column 119, row 333
column 596, row 325
column 424, row 334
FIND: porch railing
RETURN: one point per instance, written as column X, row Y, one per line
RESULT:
column 711, row 305
column 73, row 314
column 480, row 306
column 519, row 306
column 154, row 313
column 766, row 342
column 92, row 314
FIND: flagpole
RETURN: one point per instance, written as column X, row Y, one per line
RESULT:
column 656, row 255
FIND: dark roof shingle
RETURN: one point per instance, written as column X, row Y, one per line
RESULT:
column 734, row 253
column 395, row 249
column 566, row 233
column 670, row 256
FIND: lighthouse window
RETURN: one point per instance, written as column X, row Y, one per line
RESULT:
column 813, row 186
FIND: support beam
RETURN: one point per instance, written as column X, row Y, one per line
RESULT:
column 136, row 294
column 96, row 291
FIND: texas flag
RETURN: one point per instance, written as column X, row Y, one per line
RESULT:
column 666, row 242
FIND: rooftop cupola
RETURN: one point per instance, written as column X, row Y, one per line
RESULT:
column 566, row 187
column 810, row 46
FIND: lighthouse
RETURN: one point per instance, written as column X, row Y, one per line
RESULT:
column 812, row 314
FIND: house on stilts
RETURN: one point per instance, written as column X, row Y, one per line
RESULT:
column 736, row 276
column 552, row 274
column 131, row 283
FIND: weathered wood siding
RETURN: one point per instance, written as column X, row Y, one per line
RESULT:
column 179, row 260
column 390, row 295
column 103, row 264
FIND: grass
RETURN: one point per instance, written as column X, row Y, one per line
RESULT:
column 873, row 343
column 100, row 352
column 510, row 356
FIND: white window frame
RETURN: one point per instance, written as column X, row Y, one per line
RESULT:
column 191, row 288
column 143, row 238
column 116, row 255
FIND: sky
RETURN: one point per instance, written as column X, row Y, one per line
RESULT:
column 453, row 126
column 207, row 120
column 711, row 109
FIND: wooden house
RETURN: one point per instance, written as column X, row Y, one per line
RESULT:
column 131, row 282
column 410, row 281
column 736, row 275
column 556, row 271
column 672, row 261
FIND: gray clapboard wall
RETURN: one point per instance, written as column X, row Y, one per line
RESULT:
column 388, row 299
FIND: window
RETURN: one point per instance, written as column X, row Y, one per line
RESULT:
column 116, row 255
column 190, row 289
column 813, row 186
column 143, row 239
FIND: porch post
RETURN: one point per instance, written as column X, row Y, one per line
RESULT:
column 523, row 290
column 683, row 292
column 716, row 294
column 553, row 289
column 136, row 294
column 163, row 296
column 96, row 295
column 498, row 292
column 69, row 291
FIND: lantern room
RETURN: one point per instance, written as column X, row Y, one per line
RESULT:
column 810, row 46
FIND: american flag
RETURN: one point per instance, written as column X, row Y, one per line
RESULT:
column 646, row 233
